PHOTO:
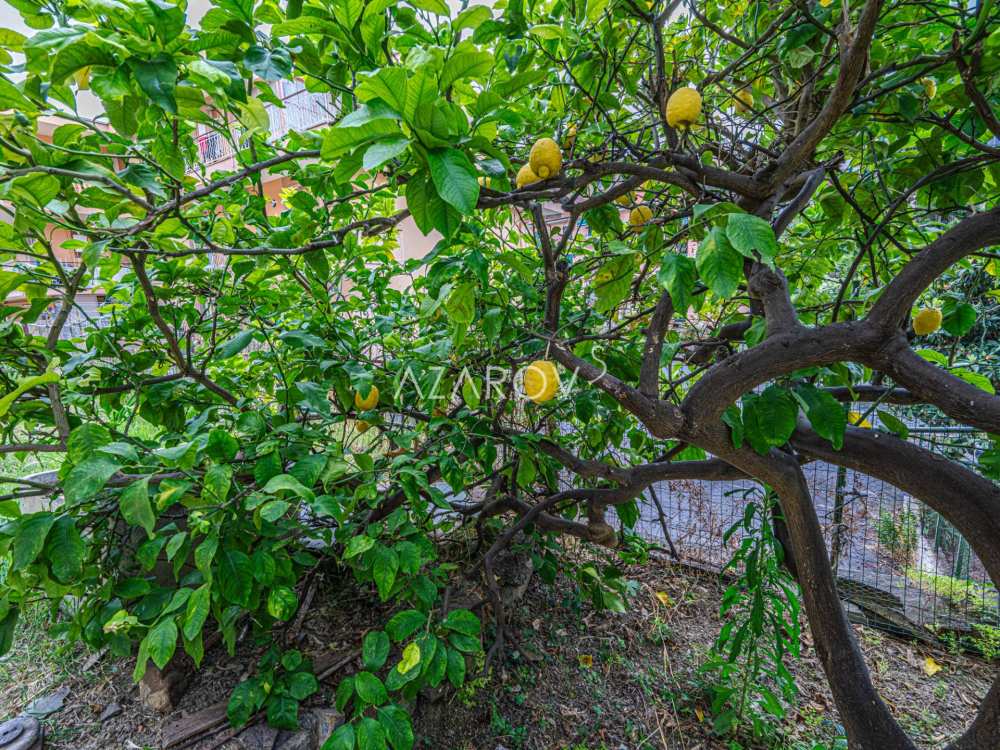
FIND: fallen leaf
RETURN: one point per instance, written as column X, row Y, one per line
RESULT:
column 931, row 667
column 699, row 713
column 664, row 598
column 49, row 704
column 586, row 660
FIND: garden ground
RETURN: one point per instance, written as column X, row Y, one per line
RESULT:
column 573, row 678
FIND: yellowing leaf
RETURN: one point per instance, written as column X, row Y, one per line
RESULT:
column 855, row 419
column 664, row 598
column 931, row 667
column 586, row 660
column 699, row 713
column 411, row 658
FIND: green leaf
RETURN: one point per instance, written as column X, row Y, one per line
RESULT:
column 374, row 650
column 454, row 178
column 65, row 550
column 135, row 506
column 370, row 689
column 398, row 728
column 461, row 304
column 216, row 484
column 288, row 483
column 437, row 7
column 76, row 55
column 825, row 413
column 157, row 78
column 246, row 699
column 358, row 545
column 86, row 479
column 337, row 140
column 371, row 735
column 613, row 281
column 283, row 712
column 161, row 641
column 302, row 684
column 8, row 624
column 369, row 112
column 236, row 344
column 732, row 417
column 30, row 538
column 719, row 265
column 382, row 151
column 26, row 384
column 269, row 64
column 894, row 424
column 404, row 624
column 12, row 98
column 235, row 577
column 388, row 84
column 282, row 603
column 678, row 275
column 456, row 668
column 341, row 739
column 471, row 17
column 748, row 233
column 462, row 621
column 221, row 445
column 958, row 318
column 467, row 64
column 769, row 419
column 384, row 569
column 198, row 606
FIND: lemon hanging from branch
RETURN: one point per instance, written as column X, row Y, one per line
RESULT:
column 639, row 216
column 927, row 321
column 541, row 381
column 545, row 158
column 744, row 101
column 683, row 107
column 364, row 403
column 525, row 176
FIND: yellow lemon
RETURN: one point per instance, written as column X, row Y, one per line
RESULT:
column 525, row 176
column 625, row 200
column 362, row 425
column 855, row 419
column 683, row 107
column 825, row 3
column 82, row 78
column 927, row 321
column 570, row 137
column 541, row 381
column 364, row 404
column 744, row 101
column 639, row 216
column 930, row 87
column 545, row 158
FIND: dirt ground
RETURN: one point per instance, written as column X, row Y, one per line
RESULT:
column 574, row 678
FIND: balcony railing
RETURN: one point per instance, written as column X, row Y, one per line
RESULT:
column 303, row 110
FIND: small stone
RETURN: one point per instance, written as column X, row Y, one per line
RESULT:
column 258, row 737
column 110, row 711
column 327, row 720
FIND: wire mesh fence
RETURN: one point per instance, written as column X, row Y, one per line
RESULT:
column 900, row 565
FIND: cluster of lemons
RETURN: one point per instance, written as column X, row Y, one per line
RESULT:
column 544, row 161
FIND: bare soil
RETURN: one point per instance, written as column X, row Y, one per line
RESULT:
column 573, row 678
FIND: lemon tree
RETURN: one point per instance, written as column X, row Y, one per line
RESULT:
column 270, row 275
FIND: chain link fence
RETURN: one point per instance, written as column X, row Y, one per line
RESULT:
column 900, row 565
